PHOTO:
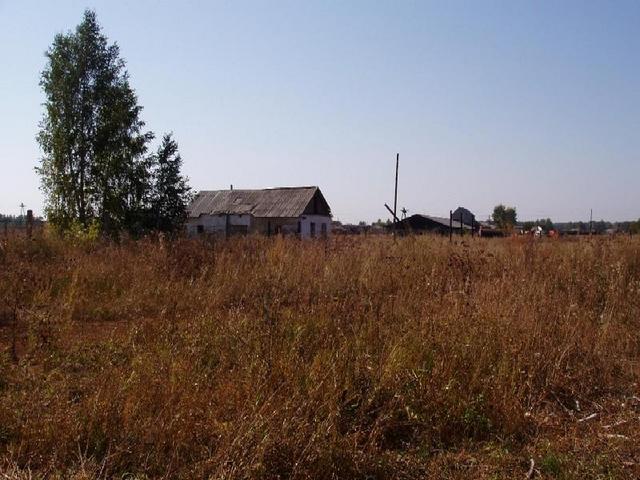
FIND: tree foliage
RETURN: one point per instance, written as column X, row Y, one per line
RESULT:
column 93, row 167
column 171, row 193
column 504, row 217
column 545, row 223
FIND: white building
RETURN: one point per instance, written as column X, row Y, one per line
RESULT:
column 289, row 210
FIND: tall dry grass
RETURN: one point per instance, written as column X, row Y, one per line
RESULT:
column 357, row 358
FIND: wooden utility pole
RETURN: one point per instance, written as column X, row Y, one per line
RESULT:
column 395, row 195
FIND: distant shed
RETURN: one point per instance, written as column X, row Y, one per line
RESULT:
column 468, row 218
column 428, row 224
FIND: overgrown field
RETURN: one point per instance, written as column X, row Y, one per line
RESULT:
column 354, row 358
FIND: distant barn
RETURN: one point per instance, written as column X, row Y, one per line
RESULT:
column 468, row 218
column 302, row 211
column 428, row 224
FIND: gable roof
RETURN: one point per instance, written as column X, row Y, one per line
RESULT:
column 467, row 216
column 284, row 202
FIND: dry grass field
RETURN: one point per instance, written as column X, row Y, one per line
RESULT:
column 357, row 358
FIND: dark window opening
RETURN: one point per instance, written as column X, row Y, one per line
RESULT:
column 313, row 229
column 200, row 228
column 323, row 229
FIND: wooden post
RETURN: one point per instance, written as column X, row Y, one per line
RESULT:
column 29, row 223
column 395, row 195
column 450, row 225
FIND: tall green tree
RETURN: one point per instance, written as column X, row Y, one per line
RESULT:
column 93, row 166
column 170, row 193
column 504, row 217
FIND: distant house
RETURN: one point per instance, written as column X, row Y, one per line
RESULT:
column 429, row 224
column 484, row 229
column 468, row 218
column 289, row 210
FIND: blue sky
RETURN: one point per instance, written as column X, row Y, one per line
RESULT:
column 532, row 104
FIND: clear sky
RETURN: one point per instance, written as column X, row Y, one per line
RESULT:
column 533, row 104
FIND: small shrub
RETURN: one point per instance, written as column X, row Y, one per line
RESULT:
column 552, row 465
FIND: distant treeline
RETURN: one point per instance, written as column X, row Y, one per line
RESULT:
column 16, row 220
column 600, row 226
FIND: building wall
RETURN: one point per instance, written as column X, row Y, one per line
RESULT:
column 217, row 223
column 307, row 226
column 289, row 226
column 274, row 226
column 318, row 221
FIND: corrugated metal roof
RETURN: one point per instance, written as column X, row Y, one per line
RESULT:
column 285, row 202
